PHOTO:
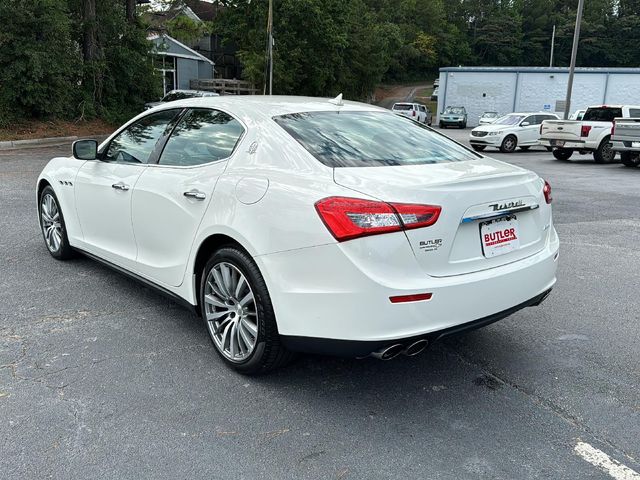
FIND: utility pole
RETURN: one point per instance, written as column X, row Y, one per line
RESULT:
column 553, row 43
column 574, row 54
column 270, row 45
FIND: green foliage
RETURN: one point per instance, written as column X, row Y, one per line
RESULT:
column 39, row 63
column 186, row 30
column 42, row 70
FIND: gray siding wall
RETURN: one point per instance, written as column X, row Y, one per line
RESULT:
column 187, row 70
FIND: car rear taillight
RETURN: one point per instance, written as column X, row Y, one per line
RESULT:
column 413, row 113
column 547, row 192
column 584, row 131
column 613, row 128
column 349, row 218
column 541, row 129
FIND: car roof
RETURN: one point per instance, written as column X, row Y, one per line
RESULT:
column 247, row 106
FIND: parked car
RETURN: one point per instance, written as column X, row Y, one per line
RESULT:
column 434, row 94
column 577, row 115
column 592, row 134
column 301, row 224
column 174, row 95
column 454, row 116
column 510, row 132
column 625, row 138
column 487, row 118
column 436, row 83
column 415, row 111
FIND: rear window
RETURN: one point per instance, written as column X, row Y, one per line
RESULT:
column 403, row 106
column 370, row 139
column 602, row 114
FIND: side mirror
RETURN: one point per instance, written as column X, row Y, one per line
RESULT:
column 85, row 149
column 525, row 124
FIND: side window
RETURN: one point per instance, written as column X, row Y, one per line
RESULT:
column 531, row 119
column 634, row 112
column 136, row 143
column 202, row 136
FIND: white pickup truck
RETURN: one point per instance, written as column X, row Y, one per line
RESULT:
column 625, row 138
column 591, row 134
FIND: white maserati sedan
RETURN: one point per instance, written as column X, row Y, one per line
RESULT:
column 295, row 224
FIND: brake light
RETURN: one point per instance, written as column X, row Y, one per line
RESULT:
column 413, row 113
column 349, row 218
column 584, row 131
column 547, row 192
column 613, row 128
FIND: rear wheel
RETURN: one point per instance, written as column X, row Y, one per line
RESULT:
column 52, row 225
column 478, row 148
column 604, row 153
column 549, row 149
column 237, row 310
column 630, row 159
column 562, row 153
column 509, row 144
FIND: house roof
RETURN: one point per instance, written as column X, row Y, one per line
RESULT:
column 192, row 54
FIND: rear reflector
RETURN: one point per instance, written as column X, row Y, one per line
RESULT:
column 418, row 297
column 348, row 218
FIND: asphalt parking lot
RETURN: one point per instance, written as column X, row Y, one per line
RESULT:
column 101, row 377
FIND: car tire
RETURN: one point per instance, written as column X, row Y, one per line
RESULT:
column 630, row 159
column 441, row 125
column 463, row 125
column 549, row 149
column 478, row 148
column 525, row 148
column 604, row 153
column 237, row 311
column 562, row 154
column 52, row 225
column 509, row 144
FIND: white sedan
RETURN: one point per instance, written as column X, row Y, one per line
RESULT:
column 510, row 132
column 301, row 224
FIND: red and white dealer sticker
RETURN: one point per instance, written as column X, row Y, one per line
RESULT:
column 499, row 236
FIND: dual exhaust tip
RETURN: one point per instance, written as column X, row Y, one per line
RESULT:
column 392, row 351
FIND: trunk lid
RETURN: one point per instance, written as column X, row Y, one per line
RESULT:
column 569, row 130
column 470, row 193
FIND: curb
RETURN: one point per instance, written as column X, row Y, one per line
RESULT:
column 35, row 143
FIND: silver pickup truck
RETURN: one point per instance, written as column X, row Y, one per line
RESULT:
column 625, row 138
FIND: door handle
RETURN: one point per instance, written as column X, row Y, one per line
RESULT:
column 197, row 194
column 120, row 186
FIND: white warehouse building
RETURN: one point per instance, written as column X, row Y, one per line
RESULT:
column 532, row 89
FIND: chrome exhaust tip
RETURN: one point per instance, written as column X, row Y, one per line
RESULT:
column 416, row 347
column 387, row 353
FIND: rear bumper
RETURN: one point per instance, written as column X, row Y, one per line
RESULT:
column 329, row 292
column 568, row 144
column 620, row 146
column 354, row 348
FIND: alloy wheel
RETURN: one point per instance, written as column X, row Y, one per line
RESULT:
column 51, row 224
column 231, row 313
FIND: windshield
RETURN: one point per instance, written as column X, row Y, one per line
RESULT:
column 509, row 120
column 403, row 106
column 370, row 139
column 602, row 114
column 172, row 96
column 455, row 110
column 489, row 115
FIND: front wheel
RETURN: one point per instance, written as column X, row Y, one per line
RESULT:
column 52, row 225
column 562, row 154
column 237, row 310
column 604, row 153
column 509, row 144
column 630, row 159
column 441, row 125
